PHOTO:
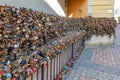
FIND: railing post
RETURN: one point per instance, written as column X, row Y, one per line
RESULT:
column 55, row 67
column 58, row 64
column 72, row 50
column 39, row 74
column 78, row 44
column 29, row 78
column 83, row 41
column 52, row 76
column 42, row 75
column 66, row 57
column 45, row 72
column 22, row 76
column 62, row 60
column 34, row 76
column 69, row 52
column 76, row 47
column 49, row 67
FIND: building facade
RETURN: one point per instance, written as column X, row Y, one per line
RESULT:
column 101, row 8
column 70, row 8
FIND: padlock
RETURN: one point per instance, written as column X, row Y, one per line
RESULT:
column 6, row 62
column 8, row 75
column 23, row 61
column 13, row 79
column 65, row 68
column 16, row 74
column 2, row 72
column 30, row 71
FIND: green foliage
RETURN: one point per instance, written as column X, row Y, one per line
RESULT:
column 119, row 19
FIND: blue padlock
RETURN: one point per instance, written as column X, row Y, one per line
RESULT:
column 53, row 56
column 13, row 9
column 5, row 68
column 8, row 75
column 45, row 59
column 40, row 53
column 6, row 62
column 23, row 62
column 65, row 67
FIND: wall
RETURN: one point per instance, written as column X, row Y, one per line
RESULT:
column 101, row 8
column 40, row 5
column 100, row 40
column 62, row 4
column 74, row 7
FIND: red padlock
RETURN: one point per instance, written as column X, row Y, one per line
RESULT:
column 0, row 25
column 30, row 71
column 2, row 72
column 35, row 60
column 47, row 64
column 34, row 69
column 13, row 79
column 59, row 77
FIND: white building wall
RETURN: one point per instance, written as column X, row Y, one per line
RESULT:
column 40, row 5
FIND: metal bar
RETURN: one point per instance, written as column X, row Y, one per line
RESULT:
column 45, row 72
column 52, row 76
column 60, row 62
column 51, row 70
column 68, row 54
column 34, row 76
column 69, row 51
column 49, row 67
column 55, row 67
column 29, row 78
column 75, row 47
column 39, row 74
column 64, row 58
column 42, row 75
column 77, row 44
column 58, row 65
column 72, row 50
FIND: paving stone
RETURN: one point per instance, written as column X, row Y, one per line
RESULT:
column 102, row 63
column 77, row 75
column 69, row 78
column 73, row 71
column 83, row 74
column 75, row 78
column 78, row 71
column 71, row 75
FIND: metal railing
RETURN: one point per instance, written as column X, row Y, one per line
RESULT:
column 56, row 64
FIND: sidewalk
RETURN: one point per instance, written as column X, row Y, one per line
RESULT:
column 100, row 63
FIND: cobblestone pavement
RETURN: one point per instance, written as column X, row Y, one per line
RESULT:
column 100, row 63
